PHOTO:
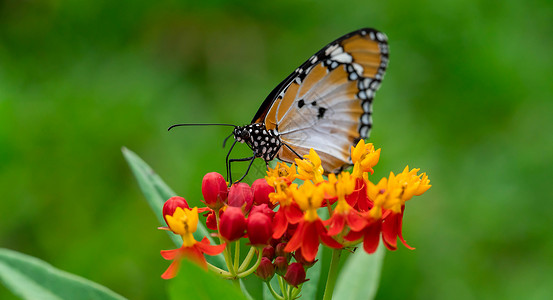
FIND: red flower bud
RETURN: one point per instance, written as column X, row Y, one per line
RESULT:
column 299, row 258
column 264, row 209
column 239, row 194
column 281, row 265
column 268, row 252
column 211, row 221
column 295, row 274
column 261, row 190
column 214, row 190
column 172, row 204
column 279, row 250
column 232, row 224
column 260, row 229
column 265, row 270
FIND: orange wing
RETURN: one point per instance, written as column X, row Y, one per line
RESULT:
column 326, row 104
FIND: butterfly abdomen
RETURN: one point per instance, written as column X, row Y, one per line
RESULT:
column 265, row 143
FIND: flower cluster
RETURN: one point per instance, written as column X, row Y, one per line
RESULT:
column 280, row 215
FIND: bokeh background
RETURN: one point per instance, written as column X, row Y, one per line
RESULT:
column 467, row 98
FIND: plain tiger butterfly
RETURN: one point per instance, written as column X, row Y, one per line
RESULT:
column 325, row 104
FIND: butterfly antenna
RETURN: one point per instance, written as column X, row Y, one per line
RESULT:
column 200, row 124
column 226, row 139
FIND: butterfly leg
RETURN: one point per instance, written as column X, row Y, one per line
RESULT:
column 229, row 176
column 251, row 159
column 290, row 148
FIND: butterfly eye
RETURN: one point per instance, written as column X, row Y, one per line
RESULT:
column 245, row 134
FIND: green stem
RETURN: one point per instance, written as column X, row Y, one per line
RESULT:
column 290, row 289
column 219, row 272
column 226, row 252
column 297, row 291
column 247, row 260
column 281, row 285
column 273, row 292
column 236, row 256
column 252, row 269
column 332, row 274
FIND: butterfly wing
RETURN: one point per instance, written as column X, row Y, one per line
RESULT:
column 326, row 104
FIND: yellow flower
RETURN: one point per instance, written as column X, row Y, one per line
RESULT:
column 310, row 168
column 377, row 193
column 411, row 183
column 391, row 193
column 364, row 158
column 281, row 170
column 345, row 184
column 309, row 198
column 283, row 193
column 184, row 222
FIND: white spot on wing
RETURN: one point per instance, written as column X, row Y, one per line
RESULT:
column 358, row 68
column 344, row 58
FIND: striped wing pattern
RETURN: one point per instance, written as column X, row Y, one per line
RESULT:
column 326, row 103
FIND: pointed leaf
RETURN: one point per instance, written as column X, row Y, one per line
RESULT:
column 192, row 282
column 31, row 278
column 157, row 192
column 360, row 276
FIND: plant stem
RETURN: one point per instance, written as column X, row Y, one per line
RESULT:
column 332, row 274
column 236, row 256
column 247, row 260
column 273, row 292
column 281, row 285
column 226, row 252
column 253, row 268
column 220, row 272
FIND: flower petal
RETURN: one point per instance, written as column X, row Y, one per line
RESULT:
column 279, row 224
column 336, row 224
column 172, row 270
column 170, row 254
column 208, row 249
column 372, row 237
column 310, row 245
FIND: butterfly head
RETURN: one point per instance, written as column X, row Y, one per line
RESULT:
column 241, row 134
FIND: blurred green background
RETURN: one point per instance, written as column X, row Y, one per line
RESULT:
column 467, row 98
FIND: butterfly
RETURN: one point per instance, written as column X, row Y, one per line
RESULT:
column 325, row 104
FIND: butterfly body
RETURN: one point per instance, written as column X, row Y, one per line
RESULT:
column 265, row 143
column 325, row 104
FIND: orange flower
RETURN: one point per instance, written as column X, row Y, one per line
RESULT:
column 184, row 223
column 343, row 213
column 310, row 231
column 310, row 168
column 364, row 158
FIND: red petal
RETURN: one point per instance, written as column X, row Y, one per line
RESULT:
column 400, row 225
column 355, row 221
column 363, row 198
column 327, row 240
column 279, row 224
column 195, row 255
column 372, row 237
column 336, row 224
column 297, row 239
column 293, row 213
column 172, row 270
column 170, row 254
column 353, row 236
column 208, row 249
column 390, row 231
column 310, row 245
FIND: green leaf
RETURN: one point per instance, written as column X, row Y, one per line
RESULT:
column 157, row 192
column 360, row 276
column 31, row 278
column 193, row 282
